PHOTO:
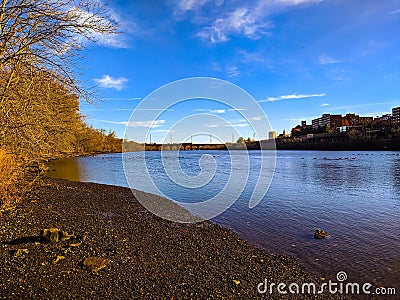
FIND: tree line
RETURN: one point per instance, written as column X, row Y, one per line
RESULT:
column 40, row 42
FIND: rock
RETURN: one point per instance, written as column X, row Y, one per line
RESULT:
column 321, row 234
column 58, row 258
column 94, row 263
column 20, row 252
column 54, row 235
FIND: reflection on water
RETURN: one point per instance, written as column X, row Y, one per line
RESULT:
column 69, row 168
column 353, row 195
column 396, row 177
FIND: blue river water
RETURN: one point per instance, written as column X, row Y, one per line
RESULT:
column 355, row 196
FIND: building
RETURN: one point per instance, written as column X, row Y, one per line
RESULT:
column 327, row 120
column 365, row 121
column 396, row 115
column 306, row 128
column 272, row 135
column 353, row 120
column 383, row 118
column 350, row 120
column 332, row 121
column 316, row 123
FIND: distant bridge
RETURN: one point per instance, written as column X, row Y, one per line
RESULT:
column 184, row 146
column 256, row 145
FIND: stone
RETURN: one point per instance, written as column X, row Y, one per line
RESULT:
column 95, row 264
column 54, row 235
column 58, row 258
column 321, row 234
column 237, row 282
column 20, row 252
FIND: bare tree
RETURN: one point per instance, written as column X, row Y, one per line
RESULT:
column 49, row 34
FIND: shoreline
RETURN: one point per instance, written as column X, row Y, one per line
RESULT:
column 148, row 257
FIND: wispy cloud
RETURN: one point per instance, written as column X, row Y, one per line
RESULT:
column 327, row 60
column 251, row 21
column 239, row 125
column 121, row 99
column 109, row 82
column 291, row 96
column 218, row 111
column 184, row 6
column 212, row 111
column 397, row 11
column 352, row 107
column 241, row 21
column 164, row 130
column 122, row 109
column 237, row 109
column 148, row 124
column 309, row 118
column 155, row 109
column 233, row 71
column 325, row 104
column 252, row 57
column 258, row 118
column 106, row 39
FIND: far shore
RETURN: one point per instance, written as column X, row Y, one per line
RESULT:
column 147, row 257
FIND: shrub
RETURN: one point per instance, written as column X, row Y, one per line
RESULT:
column 10, row 175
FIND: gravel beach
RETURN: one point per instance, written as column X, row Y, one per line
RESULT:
column 116, row 249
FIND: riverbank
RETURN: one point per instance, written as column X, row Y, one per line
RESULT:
column 145, row 257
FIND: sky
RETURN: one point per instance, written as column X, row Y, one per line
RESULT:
column 297, row 59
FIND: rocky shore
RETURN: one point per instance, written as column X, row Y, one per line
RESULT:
column 110, row 247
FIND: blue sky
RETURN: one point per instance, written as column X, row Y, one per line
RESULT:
column 297, row 58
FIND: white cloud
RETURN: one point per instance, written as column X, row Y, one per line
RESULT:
column 352, row 107
column 218, row 111
column 251, row 21
column 252, row 57
column 237, row 109
column 187, row 5
column 292, row 96
column 326, row 60
column 107, row 39
column 211, row 125
column 241, row 21
column 109, row 82
column 155, row 109
column 258, row 118
column 213, row 111
column 307, row 119
column 163, row 130
column 397, row 11
column 121, row 99
column 148, row 124
column 325, row 104
column 240, row 125
column 296, row 2
column 233, row 72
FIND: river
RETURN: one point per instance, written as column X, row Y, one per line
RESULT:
column 355, row 196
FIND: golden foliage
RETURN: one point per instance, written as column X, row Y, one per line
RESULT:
column 10, row 176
